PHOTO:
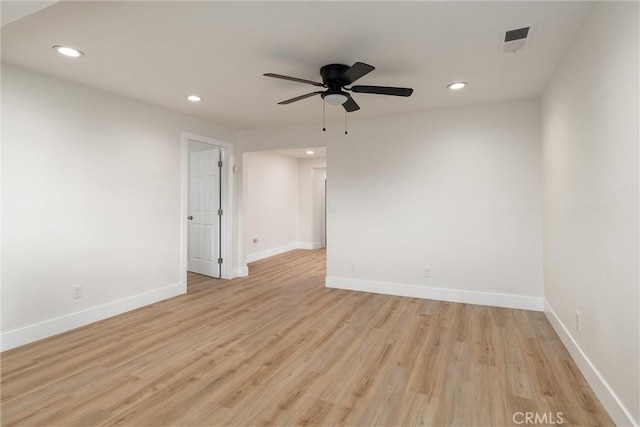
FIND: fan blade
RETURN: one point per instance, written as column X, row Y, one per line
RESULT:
column 350, row 105
column 383, row 90
column 356, row 71
column 293, row 79
column 298, row 98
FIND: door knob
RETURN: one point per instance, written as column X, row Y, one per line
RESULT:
column 189, row 217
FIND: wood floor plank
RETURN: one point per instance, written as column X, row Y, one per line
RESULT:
column 278, row 348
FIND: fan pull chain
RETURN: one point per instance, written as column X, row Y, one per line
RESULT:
column 324, row 116
column 345, row 122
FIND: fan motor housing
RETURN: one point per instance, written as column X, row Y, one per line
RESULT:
column 332, row 72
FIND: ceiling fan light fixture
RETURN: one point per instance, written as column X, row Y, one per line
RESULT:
column 336, row 98
column 336, row 78
column 457, row 85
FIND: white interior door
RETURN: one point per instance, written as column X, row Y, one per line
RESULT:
column 204, row 212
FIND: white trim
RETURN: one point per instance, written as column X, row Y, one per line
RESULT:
column 227, row 271
column 616, row 409
column 271, row 252
column 282, row 249
column 48, row 328
column 184, row 209
column 242, row 271
column 452, row 295
column 314, row 245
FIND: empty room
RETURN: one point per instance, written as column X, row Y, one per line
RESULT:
column 341, row 213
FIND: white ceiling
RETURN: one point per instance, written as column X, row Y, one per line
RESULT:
column 158, row 52
column 14, row 10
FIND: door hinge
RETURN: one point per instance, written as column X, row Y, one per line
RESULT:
column 219, row 163
column 219, row 260
column 219, row 212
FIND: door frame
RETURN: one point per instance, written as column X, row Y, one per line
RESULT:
column 226, row 195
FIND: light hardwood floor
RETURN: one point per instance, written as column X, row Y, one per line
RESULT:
column 279, row 348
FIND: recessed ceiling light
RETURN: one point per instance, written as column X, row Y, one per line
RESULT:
column 68, row 51
column 457, row 85
column 194, row 98
column 309, row 152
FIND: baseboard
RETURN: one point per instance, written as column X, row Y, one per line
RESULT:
column 58, row 325
column 609, row 399
column 315, row 245
column 242, row 271
column 440, row 294
column 282, row 249
column 271, row 252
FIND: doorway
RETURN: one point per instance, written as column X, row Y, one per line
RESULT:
column 206, row 207
column 319, row 207
column 204, row 216
column 284, row 201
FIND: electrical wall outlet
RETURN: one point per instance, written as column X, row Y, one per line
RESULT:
column 427, row 272
column 77, row 291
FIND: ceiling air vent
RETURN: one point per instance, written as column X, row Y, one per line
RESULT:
column 516, row 39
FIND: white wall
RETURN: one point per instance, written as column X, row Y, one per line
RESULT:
column 311, row 175
column 91, row 196
column 457, row 190
column 271, row 204
column 590, row 167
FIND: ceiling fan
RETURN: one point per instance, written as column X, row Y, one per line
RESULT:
column 335, row 78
